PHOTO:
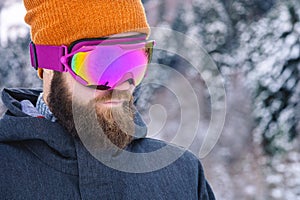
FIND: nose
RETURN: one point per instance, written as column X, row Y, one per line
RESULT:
column 126, row 85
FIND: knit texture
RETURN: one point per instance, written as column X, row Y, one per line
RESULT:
column 56, row 22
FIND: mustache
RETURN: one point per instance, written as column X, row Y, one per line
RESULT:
column 114, row 94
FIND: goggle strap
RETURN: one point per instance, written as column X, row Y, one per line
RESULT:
column 47, row 57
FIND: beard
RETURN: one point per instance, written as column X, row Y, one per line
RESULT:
column 97, row 126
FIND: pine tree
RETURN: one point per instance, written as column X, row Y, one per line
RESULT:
column 271, row 56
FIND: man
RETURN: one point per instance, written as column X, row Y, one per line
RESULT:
column 81, row 138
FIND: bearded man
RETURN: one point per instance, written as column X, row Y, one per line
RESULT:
column 81, row 137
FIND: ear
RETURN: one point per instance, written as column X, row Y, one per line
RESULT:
column 40, row 73
column 47, row 76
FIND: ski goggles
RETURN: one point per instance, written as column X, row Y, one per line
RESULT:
column 101, row 63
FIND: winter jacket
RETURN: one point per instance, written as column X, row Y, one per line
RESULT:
column 40, row 160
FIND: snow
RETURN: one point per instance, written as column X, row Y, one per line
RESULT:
column 12, row 16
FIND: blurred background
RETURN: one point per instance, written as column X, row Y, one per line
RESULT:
column 256, row 47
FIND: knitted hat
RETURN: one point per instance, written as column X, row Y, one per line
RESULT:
column 57, row 22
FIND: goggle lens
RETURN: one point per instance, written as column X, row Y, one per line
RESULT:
column 106, row 66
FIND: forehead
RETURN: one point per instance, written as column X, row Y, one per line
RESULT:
column 124, row 34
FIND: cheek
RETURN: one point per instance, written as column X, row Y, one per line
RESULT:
column 80, row 94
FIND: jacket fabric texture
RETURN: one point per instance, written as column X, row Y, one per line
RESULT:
column 40, row 160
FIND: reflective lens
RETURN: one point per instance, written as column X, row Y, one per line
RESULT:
column 106, row 66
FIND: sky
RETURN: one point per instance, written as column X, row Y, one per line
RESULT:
column 11, row 16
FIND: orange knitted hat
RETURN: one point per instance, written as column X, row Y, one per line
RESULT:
column 57, row 22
